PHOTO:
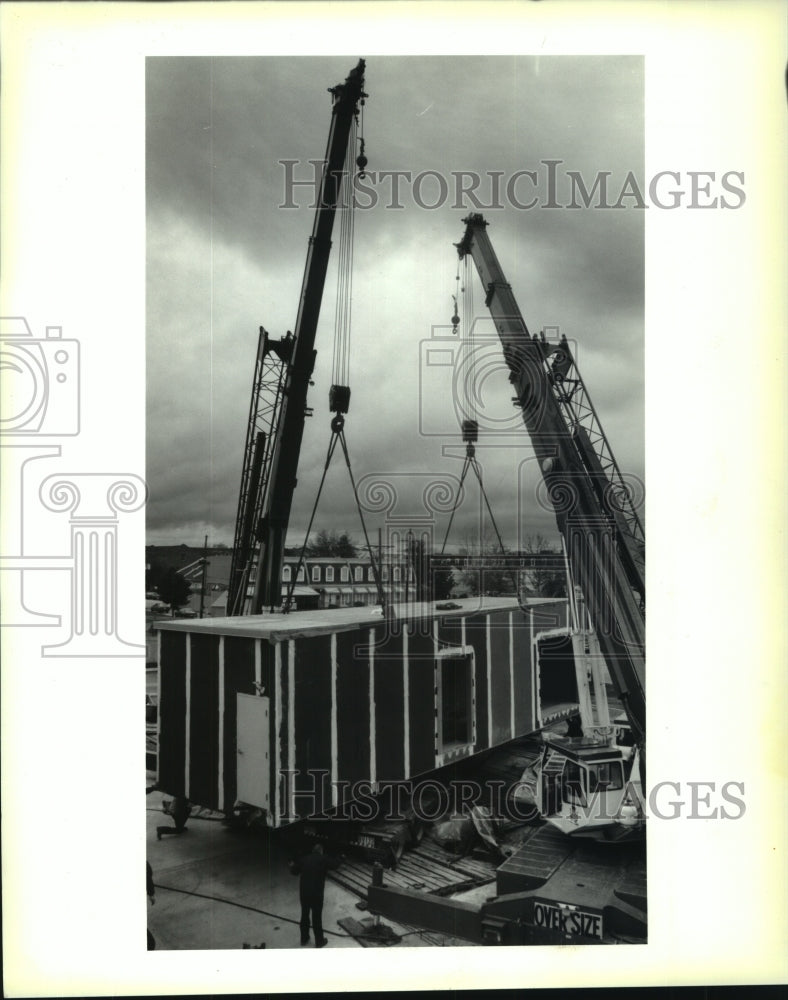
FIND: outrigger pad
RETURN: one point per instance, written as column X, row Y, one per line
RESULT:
column 368, row 933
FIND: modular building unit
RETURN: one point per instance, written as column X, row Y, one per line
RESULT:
column 296, row 713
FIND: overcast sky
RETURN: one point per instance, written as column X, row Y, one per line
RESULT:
column 224, row 258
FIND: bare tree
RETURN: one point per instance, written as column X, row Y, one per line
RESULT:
column 490, row 580
column 428, row 588
column 332, row 543
column 543, row 582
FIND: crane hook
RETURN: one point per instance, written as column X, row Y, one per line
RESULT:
column 455, row 320
column 361, row 161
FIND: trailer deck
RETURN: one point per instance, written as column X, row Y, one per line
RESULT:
column 573, row 890
column 431, row 868
column 428, row 868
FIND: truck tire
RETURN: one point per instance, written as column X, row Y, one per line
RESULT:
column 416, row 831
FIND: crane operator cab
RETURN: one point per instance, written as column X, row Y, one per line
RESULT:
column 591, row 787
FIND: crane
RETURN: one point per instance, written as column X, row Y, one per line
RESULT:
column 586, row 784
column 279, row 396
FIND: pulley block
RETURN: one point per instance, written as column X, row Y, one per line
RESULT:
column 339, row 398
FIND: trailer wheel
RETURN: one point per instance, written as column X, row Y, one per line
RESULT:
column 416, row 830
column 396, row 849
column 400, row 839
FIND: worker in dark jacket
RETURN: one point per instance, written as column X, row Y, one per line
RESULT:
column 312, row 868
column 152, row 899
column 180, row 810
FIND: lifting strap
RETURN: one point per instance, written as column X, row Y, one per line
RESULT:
column 338, row 435
column 471, row 463
column 467, row 402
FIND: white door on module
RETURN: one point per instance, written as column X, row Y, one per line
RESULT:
column 252, row 754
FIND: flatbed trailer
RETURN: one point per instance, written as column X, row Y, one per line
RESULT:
column 579, row 894
column 305, row 673
column 551, row 889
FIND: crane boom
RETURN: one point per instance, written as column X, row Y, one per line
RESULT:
column 287, row 425
column 601, row 530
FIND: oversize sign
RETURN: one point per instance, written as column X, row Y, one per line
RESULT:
column 568, row 920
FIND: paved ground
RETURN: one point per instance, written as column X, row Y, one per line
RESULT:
column 208, row 863
column 217, row 888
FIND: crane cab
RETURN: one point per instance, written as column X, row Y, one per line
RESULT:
column 591, row 788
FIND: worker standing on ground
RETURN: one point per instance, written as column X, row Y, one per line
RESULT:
column 180, row 810
column 151, row 899
column 312, row 868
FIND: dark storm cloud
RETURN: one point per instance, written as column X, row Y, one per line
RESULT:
column 223, row 258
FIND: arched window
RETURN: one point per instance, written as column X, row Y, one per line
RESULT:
column 286, row 574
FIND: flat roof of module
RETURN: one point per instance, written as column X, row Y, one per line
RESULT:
column 277, row 626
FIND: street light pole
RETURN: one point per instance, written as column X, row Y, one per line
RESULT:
column 408, row 550
column 204, row 570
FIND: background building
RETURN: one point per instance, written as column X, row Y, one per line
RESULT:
column 322, row 581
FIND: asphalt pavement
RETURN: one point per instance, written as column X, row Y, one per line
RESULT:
column 219, row 887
